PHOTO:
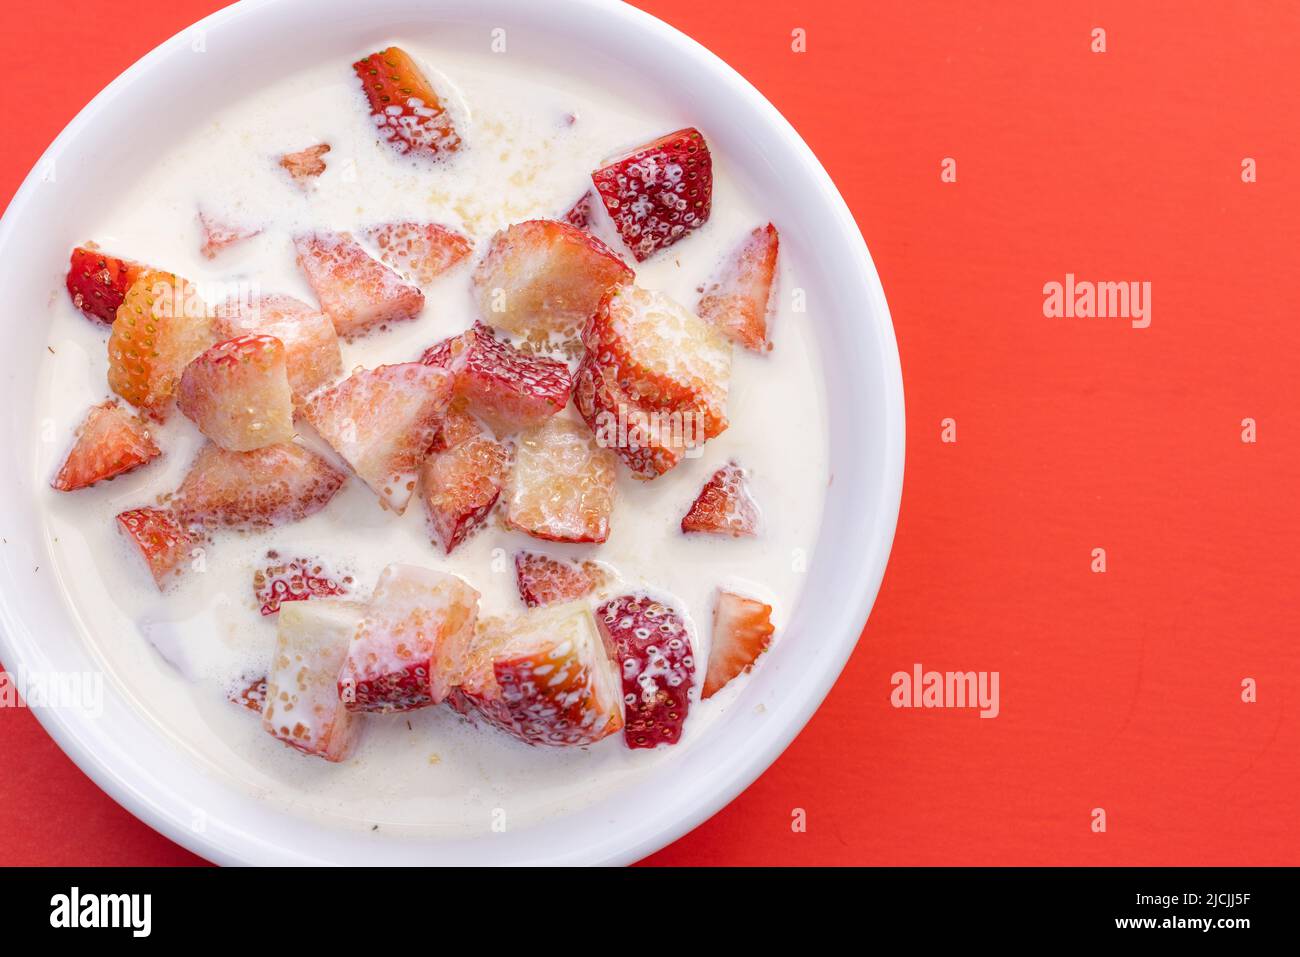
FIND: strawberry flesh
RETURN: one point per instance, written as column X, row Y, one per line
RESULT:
column 724, row 506
column 561, row 488
column 742, row 630
column 737, row 300
column 269, row 487
column 237, row 392
column 651, row 644
column 160, row 540
column 460, row 485
column 544, row 580
column 406, row 110
column 219, row 234
column 357, row 291
column 109, row 442
column 305, row 165
column 420, row 251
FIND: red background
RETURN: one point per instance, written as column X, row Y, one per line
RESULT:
column 1119, row 690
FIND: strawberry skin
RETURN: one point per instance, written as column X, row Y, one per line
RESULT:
column 651, row 644
column 742, row 630
column 251, row 695
column 262, row 489
column 621, row 423
column 737, row 300
column 544, row 580
column 109, row 442
column 405, row 108
column 724, row 506
column 298, row 579
column 579, row 213
column 237, row 393
column 98, row 282
column 460, row 485
column 160, row 539
column 420, row 251
column 660, row 192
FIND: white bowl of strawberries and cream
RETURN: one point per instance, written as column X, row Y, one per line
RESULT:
column 432, row 448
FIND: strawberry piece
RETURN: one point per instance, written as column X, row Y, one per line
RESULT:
column 98, row 282
column 109, row 442
column 302, row 702
column 383, row 422
column 579, row 213
column 237, row 393
column 736, row 300
column 648, row 441
column 458, row 425
column 297, row 579
column 355, row 290
column 548, row 581
column 544, row 677
column 405, row 108
column 269, row 487
column 460, row 485
column 662, row 355
column 305, row 165
column 420, row 251
column 311, row 346
column 410, row 649
column 218, row 234
column 660, row 192
column 250, row 694
column 650, row 641
column 160, row 540
column 504, row 386
column 742, row 630
column 562, row 485
column 160, row 326
column 545, row 277
column 724, row 506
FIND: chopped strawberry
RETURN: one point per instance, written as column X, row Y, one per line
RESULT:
column 297, row 579
column 405, row 108
column 160, row 326
column 736, row 300
column 311, row 347
column 420, row 251
column 504, row 386
column 458, row 425
column 460, row 485
column 357, row 291
column 544, row 677
column 742, row 630
column 109, row 442
column 562, row 485
column 543, row 276
column 305, row 165
column 663, row 355
column 302, row 701
column 161, row 541
column 650, row 641
column 660, row 192
column 237, row 393
column 724, row 506
column 250, row 694
column 272, row 486
column 579, row 213
column 218, row 233
column 410, row 649
column 383, row 422
column 98, row 282
column 648, row 441
column 548, row 581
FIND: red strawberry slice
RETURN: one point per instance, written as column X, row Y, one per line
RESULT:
column 742, row 630
column 269, row 487
column 736, row 300
column 579, row 213
column 460, row 485
column 237, row 393
column 406, row 110
column 297, row 579
column 548, row 581
column 648, row 441
column 357, row 291
column 650, row 641
column 658, row 193
column 561, row 487
column 420, row 251
column 543, row 277
column 410, row 649
column 311, row 345
column 544, row 677
column 97, row 282
column 109, row 442
column 250, row 694
column 458, row 425
column 219, row 234
column 160, row 539
column 724, row 506
column 305, row 165
column 383, row 422
column 504, row 386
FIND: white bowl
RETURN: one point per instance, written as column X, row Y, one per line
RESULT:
column 124, row 751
